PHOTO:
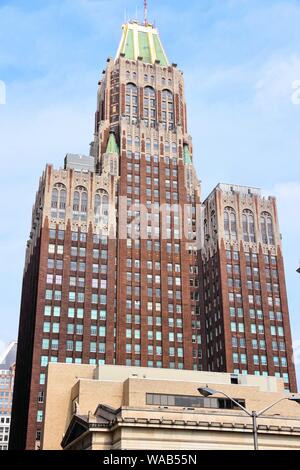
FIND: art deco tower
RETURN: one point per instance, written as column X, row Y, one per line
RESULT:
column 111, row 273
column 116, row 269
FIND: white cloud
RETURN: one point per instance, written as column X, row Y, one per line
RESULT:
column 288, row 197
column 275, row 86
column 2, row 346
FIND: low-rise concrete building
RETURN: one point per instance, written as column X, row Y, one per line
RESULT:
column 117, row 407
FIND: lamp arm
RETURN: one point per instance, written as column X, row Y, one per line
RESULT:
column 260, row 413
column 235, row 402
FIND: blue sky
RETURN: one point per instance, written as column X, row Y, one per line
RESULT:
column 240, row 59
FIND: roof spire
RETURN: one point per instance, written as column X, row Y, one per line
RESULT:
column 145, row 12
column 112, row 146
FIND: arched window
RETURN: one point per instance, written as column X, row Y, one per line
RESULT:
column 129, row 140
column 248, row 226
column 80, row 204
column 58, row 201
column 230, row 224
column 149, row 107
column 167, row 111
column 131, row 103
column 101, row 207
column 174, row 147
column 267, row 230
column 167, row 147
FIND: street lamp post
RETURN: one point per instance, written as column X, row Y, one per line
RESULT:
column 208, row 392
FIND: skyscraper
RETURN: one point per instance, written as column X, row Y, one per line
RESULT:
column 244, row 302
column 112, row 264
column 111, row 272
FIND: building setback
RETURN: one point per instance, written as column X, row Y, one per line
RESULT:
column 112, row 264
column 244, row 302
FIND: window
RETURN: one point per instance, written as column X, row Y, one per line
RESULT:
column 58, row 201
column 56, row 311
column 167, row 111
column 230, row 224
column 102, row 331
column 44, row 361
column 256, row 360
column 253, row 329
column 243, row 358
column 101, row 208
column 131, row 103
column 47, row 311
column 186, row 401
column 149, row 107
column 263, row 360
column 46, row 327
column 80, row 201
column 248, row 226
column 42, row 379
column 235, row 358
column 267, row 231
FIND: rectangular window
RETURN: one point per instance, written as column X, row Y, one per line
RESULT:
column 55, row 328
column 46, row 327
column 56, row 311
column 102, row 331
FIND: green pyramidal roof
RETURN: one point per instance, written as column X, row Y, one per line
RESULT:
column 142, row 41
column 112, row 146
column 187, row 155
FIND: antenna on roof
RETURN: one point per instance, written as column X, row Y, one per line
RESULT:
column 145, row 12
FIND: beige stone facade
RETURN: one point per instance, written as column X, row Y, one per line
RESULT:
column 111, row 407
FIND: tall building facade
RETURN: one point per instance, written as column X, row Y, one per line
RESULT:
column 7, row 375
column 244, row 301
column 111, row 273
